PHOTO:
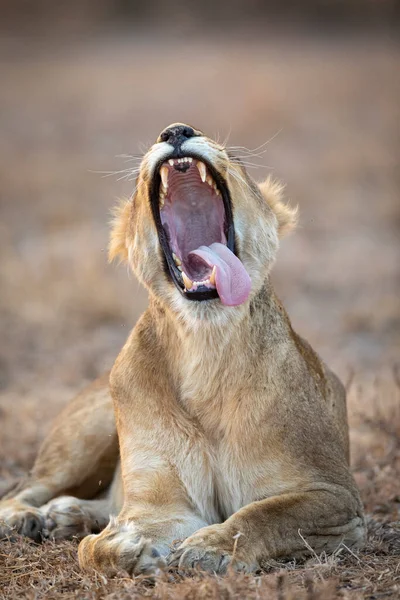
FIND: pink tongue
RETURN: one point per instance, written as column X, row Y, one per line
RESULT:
column 231, row 278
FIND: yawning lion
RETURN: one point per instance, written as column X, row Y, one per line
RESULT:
column 220, row 437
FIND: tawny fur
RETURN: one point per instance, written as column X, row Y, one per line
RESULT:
column 232, row 431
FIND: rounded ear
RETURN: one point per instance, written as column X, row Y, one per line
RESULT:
column 117, row 248
column 272, row 192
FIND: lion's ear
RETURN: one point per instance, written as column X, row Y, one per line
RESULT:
column 117, row 248
column 272, row 192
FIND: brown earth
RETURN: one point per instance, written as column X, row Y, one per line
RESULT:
column 331, row 109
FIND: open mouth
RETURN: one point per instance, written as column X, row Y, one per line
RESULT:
column 192, row 210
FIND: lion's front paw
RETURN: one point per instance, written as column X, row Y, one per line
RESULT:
column 207, row 559
column 119, row 548
column 16, row 517
column 210, row 550
column 65, row 518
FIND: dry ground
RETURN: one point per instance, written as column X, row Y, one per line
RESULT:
column 66, row 111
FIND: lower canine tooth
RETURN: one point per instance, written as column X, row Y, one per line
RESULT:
column 188, row 282
column 176, row 259
column 212, row 276
column 202, row 170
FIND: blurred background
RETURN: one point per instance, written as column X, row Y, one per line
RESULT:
column 84, row 83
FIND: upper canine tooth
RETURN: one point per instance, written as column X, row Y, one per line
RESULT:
column 202, row 170
column 188, row 282
column 164, row 176
column 171, row 162
column 212, row 276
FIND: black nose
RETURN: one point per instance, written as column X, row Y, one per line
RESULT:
column 177, row 134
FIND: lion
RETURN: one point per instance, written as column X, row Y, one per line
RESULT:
column 220, row 438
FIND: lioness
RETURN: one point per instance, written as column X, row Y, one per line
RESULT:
column 233, row 436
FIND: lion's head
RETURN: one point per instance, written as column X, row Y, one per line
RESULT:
column 199, row 232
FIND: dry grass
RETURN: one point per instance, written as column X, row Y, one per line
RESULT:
column 66, row 111
column 28, row 570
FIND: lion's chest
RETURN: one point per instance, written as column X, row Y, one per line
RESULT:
column 239, row 462
column 236, row 464
column 241, row 474
column 233, row 485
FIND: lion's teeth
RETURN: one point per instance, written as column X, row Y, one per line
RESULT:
column 212, row 276
column 188, row 282
column 164, row 176
column 162, row 201
column 202, row 170
column 209, row 180
column 171, row 162
column 176, row 259
column 162, row 195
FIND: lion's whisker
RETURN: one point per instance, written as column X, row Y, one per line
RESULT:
column 252, row 165
column 227, row 137
column 126, row 173
column 258, row 148
column 239, row 178
column 130, row 157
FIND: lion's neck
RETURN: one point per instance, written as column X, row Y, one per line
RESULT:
column 208, row 362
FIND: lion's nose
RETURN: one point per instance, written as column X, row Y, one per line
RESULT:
column 176, row 134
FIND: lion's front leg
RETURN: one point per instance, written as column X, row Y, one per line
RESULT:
column 280, row 526
column 157, row 509
column 161, row 464
column 157, row 518
column 139, row 540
